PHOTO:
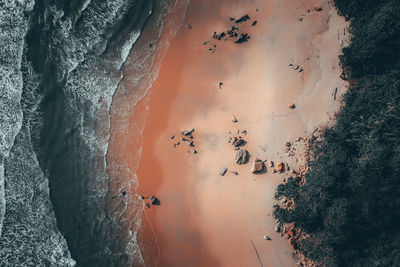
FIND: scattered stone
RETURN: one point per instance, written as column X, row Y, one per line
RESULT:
column 297, row 67
column 244, row 132
column 287, row 167
column 147, row 205
column 290, row 65
column 238, row 142
column 220, row 84
column 241, row 156
column 234, row 119
column 244, row 37
column 188, row 133
column 288, row 144
column 258, row 166
column 243, row 19
column 254, row 23
column 277, row 228
column 233, row 32
column 280, row 167
column 234, row 172
column 154, row 201
column 231, row 19
column 206, row 42
column 292, row 106
column 274, row 171
column 218, row 36
column 173, row 136
column 223, row 172
column 189, row 26
column 318, row 8
column 271, row 163
column 301, row 70
column 283, row 179
column 267, row 237
column 300, row 19
column 195, row 151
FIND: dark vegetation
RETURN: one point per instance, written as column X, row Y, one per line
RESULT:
column 350, row 205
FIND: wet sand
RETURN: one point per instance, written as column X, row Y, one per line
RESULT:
column 210, row 220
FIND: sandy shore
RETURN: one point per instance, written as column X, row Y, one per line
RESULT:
column 210, row 220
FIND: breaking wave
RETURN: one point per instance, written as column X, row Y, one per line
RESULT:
column 61, row 63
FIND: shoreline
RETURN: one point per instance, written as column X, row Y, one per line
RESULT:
column 128, row 119
column 193, row 207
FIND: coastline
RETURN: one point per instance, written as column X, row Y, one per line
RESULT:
column 128, row 118
column 210, row 219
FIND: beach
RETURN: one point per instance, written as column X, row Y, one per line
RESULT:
column 205, row 218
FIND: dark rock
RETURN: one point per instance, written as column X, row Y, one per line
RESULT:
column 235, row 172
column 223, row 172
column 254, row 23
column 173, row 136
column 238, row 142
column 231, row 19
column 244, row 37
column 220, row 85
column 233, row 32
column 189, row 26
column 187, row 133
column 243, row 19
column 234, row 119
column 218, row 36
column 154, row 201
column 241, row 156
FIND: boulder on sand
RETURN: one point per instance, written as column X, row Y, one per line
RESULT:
column 154, row 201
column 292, row 106
column 241, row 156
column 258, row 166
column 280, row 167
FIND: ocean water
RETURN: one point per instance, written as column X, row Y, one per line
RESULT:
column 61, row 63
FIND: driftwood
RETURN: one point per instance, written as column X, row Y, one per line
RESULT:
column 258, row 256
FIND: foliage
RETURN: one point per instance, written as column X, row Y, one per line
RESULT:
column 350, row 204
